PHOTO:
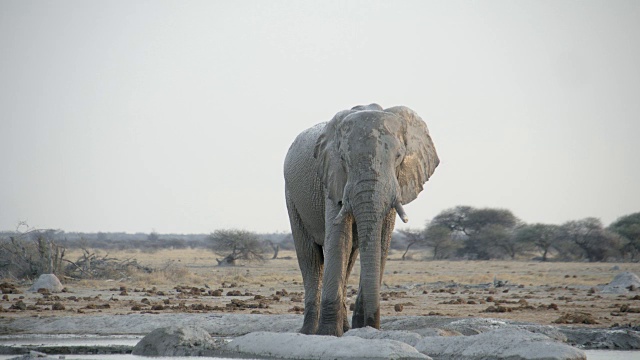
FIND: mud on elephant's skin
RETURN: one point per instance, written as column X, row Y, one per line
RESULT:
column 345, row 180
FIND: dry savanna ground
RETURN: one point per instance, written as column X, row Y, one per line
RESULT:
column 190, row 281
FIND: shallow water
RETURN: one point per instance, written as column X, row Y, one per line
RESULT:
column 128, row 357
column 591, row 355
column 612, row 355
column 85, row 341
column 69, row 340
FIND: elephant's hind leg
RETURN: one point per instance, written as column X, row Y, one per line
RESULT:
column 310, row 260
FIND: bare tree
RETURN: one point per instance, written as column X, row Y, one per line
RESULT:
column 236, row 245
column 275, row 247
column 412, row 237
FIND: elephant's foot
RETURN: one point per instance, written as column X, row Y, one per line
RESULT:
column 308, row 330
column 357, row 320
column 330, row 330
column 332, row 318
column 345, row 325
column 310, row 322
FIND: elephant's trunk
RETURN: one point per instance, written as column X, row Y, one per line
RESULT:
column 370, row 203
column 369, row 232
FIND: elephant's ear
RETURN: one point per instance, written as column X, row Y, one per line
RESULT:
column 420, row 160
column 330, row 169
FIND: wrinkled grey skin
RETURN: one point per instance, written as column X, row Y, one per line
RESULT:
column 345, row 180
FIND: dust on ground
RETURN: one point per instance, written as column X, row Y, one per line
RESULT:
column 189, row 281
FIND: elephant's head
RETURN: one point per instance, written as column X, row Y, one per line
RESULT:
column 372, row 161
column 389, row 149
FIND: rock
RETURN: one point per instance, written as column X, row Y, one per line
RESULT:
column 407, row 337
column 620, row 339
column 177, row 341
column 49, row 282
column 447, row 326
column 20, row 305
column 499, row 344
column 550, row 331
column 299, row 346
column 621, row 283
column 475, row 326
column 422, row 325
column 36, row 355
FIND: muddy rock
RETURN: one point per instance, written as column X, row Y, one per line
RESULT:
column 499, row 344
column 616, row 339
column 49, row 282
column 177, row 341
column 446, row 326
column 299, row 346
column 407, row 337
column 422, row 325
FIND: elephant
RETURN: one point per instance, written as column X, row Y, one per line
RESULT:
column 345, row 180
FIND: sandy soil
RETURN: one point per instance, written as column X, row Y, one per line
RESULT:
column 187, row 281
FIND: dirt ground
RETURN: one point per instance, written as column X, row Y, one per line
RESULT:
column 190, row 281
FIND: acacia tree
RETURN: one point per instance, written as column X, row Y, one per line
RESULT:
column 236, row 245
column 543, row 237
column 455, row 219
column 588, row 235
column 487, row 233
column 497, row 241
column 441, row 241
column 628, row 227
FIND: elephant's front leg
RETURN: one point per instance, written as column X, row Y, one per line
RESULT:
column 310, row 260
column 337, row 250
column 351, row 262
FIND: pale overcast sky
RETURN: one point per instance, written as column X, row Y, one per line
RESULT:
column 175, row 116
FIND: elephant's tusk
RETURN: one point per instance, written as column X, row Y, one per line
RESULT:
column 341, row 215
column 400, row 211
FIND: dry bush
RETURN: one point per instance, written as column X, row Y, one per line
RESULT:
column 28, row 253
column 170, row 273
column 92, row 265
column 176, row 272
